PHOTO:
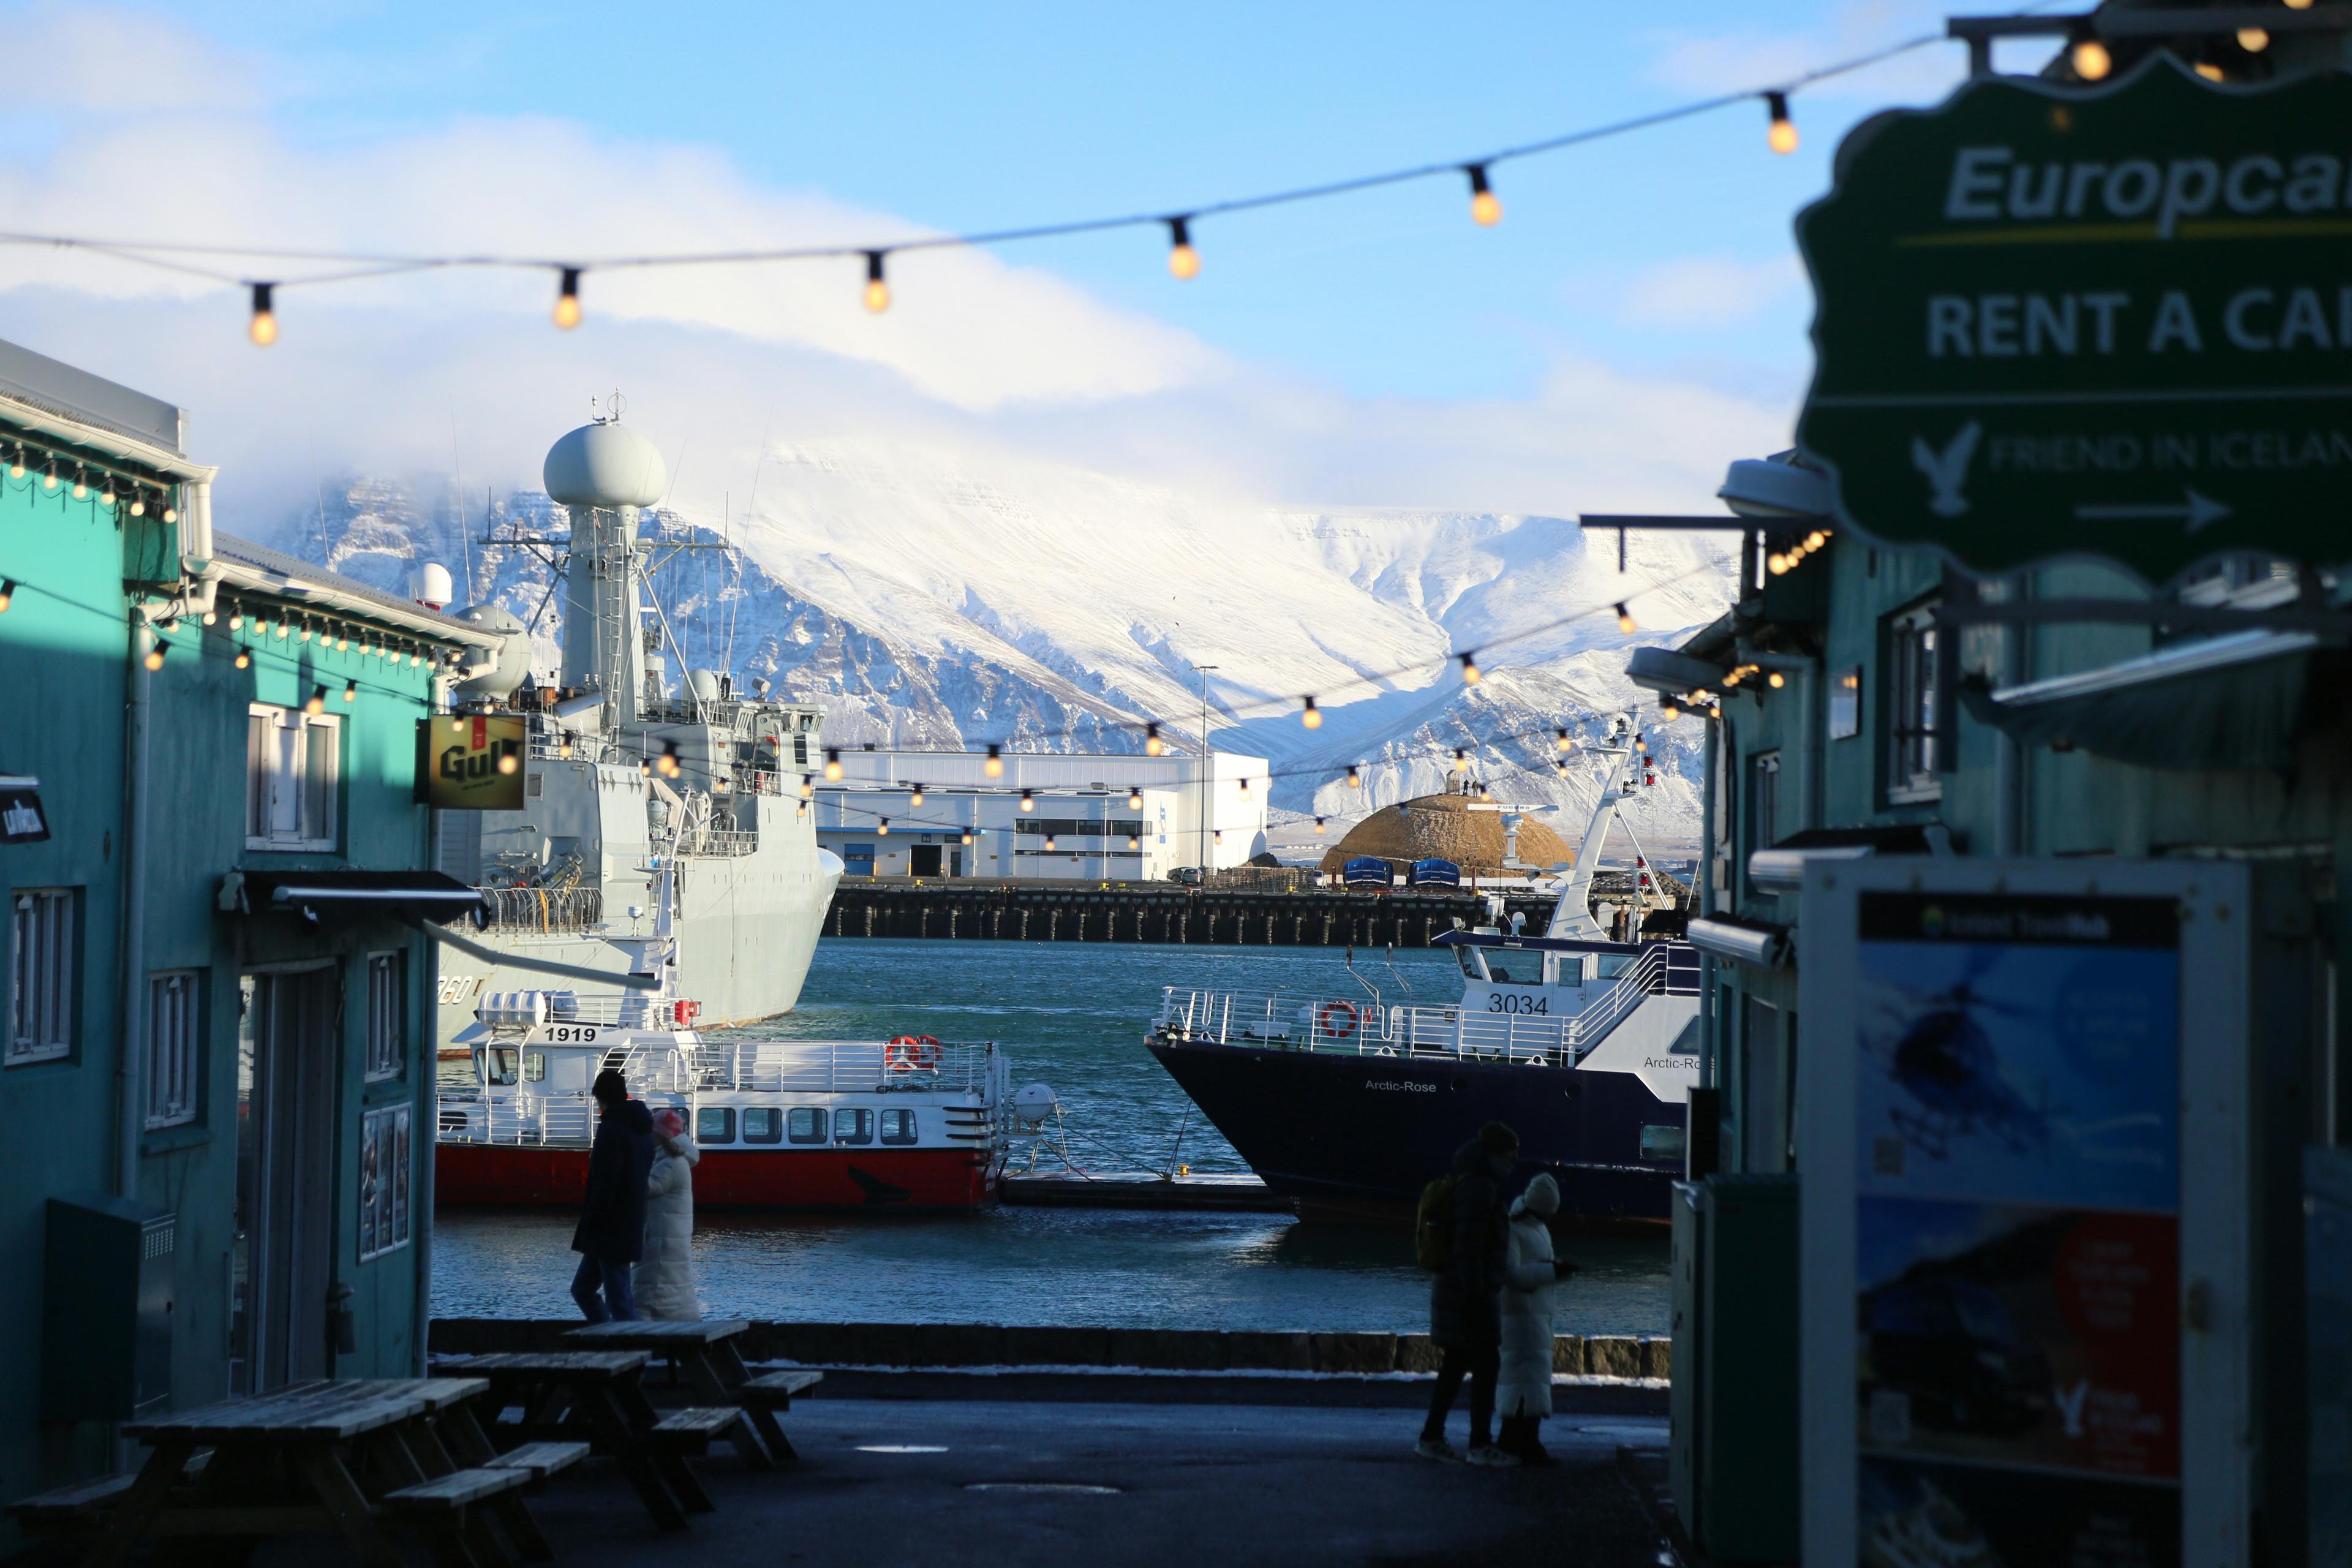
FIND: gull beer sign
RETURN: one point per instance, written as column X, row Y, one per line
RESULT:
column 2112, row 323
column 472, row 762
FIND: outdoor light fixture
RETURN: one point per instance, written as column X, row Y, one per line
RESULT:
column 2253, row 40
column 882, row 828
column 832, row 766
column 155, row 654
column 877, row 292
column 1133, row 842
column 1135, row 800
column 1461, row 760
column 1775, row 681
column 16, row 464
column 995, row 766
column 243, row 660
column 81, row 484
column 1625, row 620
column 235, row 620
column 967, row 837
column 1562, row 740
column 7, row 593
column 1183, row 261
column 1310, row 715
column 305, row 633
column 1669, row 712
column 106, row 492
column 263, row 328
column 567, row 299
column 1486, row 207
column 352, row 694
column 280, row 628
column 808, row 787
column 1028, row 801
column 1152, row 746
column 1355, row 778
column 2091, row 61
column 318, row 703
column 915, row 797
column 509, row 763
column 563, row 748
column 212, row 617
column 49, row 477
column 1781, row 135
column 1469, row 669
column 1319, row 825
column 1245, row 787
column 138, row 506
column 171, row 514
column 1049, row 843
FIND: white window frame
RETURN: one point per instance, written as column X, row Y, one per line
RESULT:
column 385, row 1155
column 388, row 1015
column 1913, row 747
column 42, row 965
column 175, row 1037
column 277, row 769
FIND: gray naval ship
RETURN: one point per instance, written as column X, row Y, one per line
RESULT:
column 623, row 765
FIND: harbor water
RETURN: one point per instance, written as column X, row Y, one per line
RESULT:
column 1072, row 1016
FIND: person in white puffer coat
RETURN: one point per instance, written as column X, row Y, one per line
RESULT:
column 1530, row 1272
column 664, row 1283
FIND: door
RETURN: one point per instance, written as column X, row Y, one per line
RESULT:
column 1763, row 1105
column 955, row 862
column 924, row 859
column 282, row 1259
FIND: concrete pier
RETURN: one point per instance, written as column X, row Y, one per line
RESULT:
column 1157, row 912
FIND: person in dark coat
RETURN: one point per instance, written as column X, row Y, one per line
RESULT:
column 1466, row 1319
column 611, row 1235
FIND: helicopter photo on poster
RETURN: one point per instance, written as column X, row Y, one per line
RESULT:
column 2020, row 1049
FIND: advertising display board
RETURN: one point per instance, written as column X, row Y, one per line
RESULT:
column 471, row 762
column 2019, row 1342
column 2107, row 321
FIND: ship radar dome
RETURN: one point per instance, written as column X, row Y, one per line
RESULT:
column 512, row 666
column 606, row 466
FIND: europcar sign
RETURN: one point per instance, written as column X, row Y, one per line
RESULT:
column 2112, row 322
column 471, row 762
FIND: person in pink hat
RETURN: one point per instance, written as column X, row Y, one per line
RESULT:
column 664, row 1276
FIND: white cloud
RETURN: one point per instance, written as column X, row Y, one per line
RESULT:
column 105, row 59
column 1734, row 61
column 1709, row 291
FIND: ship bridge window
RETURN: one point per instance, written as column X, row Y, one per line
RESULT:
column 1464, row 957
column 807, row 1124
column 499, row 1066
column 763, row 1124
column 853, row 1126
column 714, row 1124
column 534, row 1067
column 899, row 1125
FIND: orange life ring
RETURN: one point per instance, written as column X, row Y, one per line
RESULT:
column 1337, row 1020
column 912, row 1053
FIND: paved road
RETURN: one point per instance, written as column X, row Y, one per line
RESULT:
column 914, row 1483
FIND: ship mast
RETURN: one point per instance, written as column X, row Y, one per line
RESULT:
column 602, row 474
column 1572, row 915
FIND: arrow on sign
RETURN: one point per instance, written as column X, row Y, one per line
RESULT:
column 2193, row 509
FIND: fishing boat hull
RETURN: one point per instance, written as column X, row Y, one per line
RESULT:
column 539, row 1176
column 1353, row 1136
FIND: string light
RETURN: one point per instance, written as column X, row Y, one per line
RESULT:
column 81, row 484
column 212, row 617
column 1245, row 786
column 17, row 467
column 669, row 763
column 1355, row 776
column 831, row 764
column 1625, row 620
column 235, row 620
column 967, row 836
column 1461, row 760
column 2090, row 59
column 1028, row 801
column 1469, row 669
column 49, row 479
column 882, row 828
column 1319, row 825
column 1049, row 843
column 263, row 328
column 416, row 658
column 317, row 702
column 2253, row 40
column 563, row 748
column 877, row 292
column 1153, row 745
column 508, row 763
column 1781, row 135
column 1133, row 842
column 1183, row 261
column 1777, row 563
column 1135, row 800
column 567, row 299
column 244, row 660
column 1310, row 715
column 995, row 766
column 808, row 787
column 1669, row 712
column 7, row 593
column 1562, row 740
column 915, row 797
column 280, row 628
column 171, row 514
column 1486, row 207
column 105, row 493
column 800, row 808
column 155, row 659
column 351, row 689
column 139, row 505
column 1775, row 681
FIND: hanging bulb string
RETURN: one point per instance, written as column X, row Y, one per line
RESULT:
column 362, row 264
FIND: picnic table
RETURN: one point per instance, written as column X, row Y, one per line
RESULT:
column 343, row 1457
column 705, row 1354
column 596, row 1395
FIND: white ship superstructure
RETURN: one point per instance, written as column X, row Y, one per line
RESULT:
column 618, row 761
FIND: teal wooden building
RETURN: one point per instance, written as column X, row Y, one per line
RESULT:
column 216, row 1065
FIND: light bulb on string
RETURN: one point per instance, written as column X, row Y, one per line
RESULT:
column 106, row 492
column 1245, row 787
column 342, row 643
column 305, row 632
column 49, row 477
column 563, row 748
column 244, row 660
column 280, row 628
column 808, row 787
column 1183, row 261
column 877, row 292
column 212, row 617
column 171, row 514
column 1777, row 563
column 1135, row 800
column 1319, row 825
column 1152, row 744
column 995, row 766
column 263, row 328
column 915, row 797
column 967, row 837
column 2253, row 40
column 1028, row 800
column 1355, row 776
column 1470, row 669
column 237, row 620
column 352, row 694
column 2090, row 59
column 1133, row 842
column 1049, row 843
column 1669, row 712
column 567, row 299
column 16, row 466
column 1562, row 740
column 1486, row 207
column 1461, row 760
column 831, row 764
column 81, row 484
column 138, row 505
column 415, row 660
column 7, row 593
column 155, row 659
column 1310, row 715
column 317, row 702
column 882, row 828
column 1776, row 680
column 1781, row 135
column 1625, row 620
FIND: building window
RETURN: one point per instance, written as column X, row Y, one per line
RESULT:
column 806, row 1125
column 899, row 1126
column 714, row 1124
column 534, row 1067
column 1845, row 703
column 41, row 975
column 292, row 762
column 855, row 1126
column 387, row 1015
column 174, row 1040
column 763, row 1124
column 1911, row 700
column 1764, row 800
column 384, row 1181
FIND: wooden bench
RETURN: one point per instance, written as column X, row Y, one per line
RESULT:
column 769, row 1392
column 540, row 1459
column 451, row 1510
column 82, row 1505
column 693, row 1429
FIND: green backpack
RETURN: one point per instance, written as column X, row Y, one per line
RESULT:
column 1433, row 1224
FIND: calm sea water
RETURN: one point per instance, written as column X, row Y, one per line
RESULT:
column 1073, row 1016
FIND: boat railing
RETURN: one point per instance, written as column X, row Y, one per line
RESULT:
column 829, row 1067
column 719, row 841
column 1290, row 1020
column 544, row 909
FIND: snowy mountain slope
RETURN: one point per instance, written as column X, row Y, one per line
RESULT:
column 931, row 598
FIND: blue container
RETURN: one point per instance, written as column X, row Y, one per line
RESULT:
column 1365, row 871
column 1435, row 874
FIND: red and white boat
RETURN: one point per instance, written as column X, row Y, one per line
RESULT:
column 914, row 1122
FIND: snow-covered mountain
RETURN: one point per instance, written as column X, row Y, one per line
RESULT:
column 937, row 599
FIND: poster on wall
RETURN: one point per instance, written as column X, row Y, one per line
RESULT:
column 471, row 762
column 1999, row 1131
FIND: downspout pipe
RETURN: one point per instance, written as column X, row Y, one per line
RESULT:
column 130, row 1073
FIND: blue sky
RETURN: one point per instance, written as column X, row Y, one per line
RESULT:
column 1656, row 267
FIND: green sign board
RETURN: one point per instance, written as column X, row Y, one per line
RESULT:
column 2112, row 323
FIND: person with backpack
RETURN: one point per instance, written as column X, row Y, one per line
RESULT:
column 1529, row 1274
column 1459, row 1235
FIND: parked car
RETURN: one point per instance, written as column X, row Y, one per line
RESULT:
column 1186, row 876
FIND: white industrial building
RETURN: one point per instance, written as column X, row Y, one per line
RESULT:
column 1048, row 815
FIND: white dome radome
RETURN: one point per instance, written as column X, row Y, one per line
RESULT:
column 605, row 466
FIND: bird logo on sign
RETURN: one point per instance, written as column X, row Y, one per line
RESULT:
column 1947, row 470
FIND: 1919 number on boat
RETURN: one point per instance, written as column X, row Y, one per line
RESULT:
column 566, row 1034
